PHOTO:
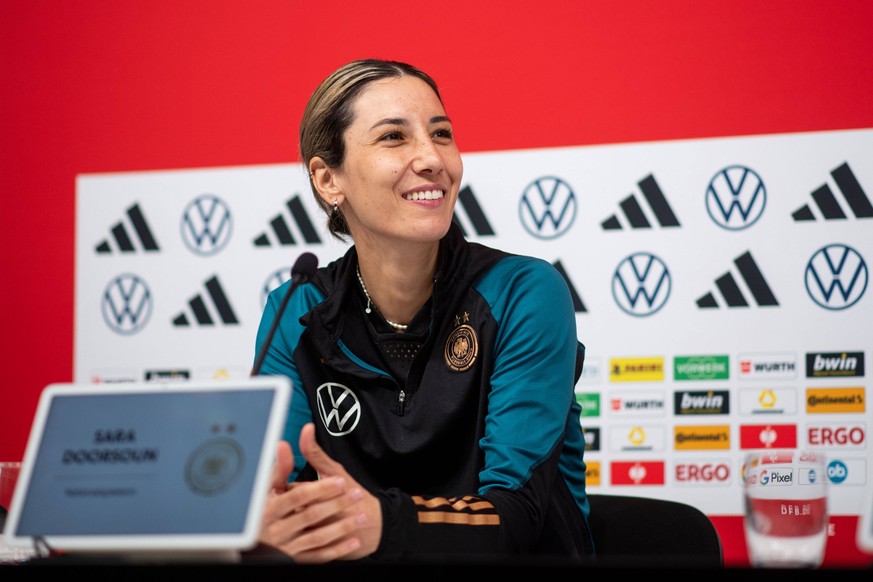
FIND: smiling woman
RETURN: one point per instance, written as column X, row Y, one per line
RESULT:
column 434, row 406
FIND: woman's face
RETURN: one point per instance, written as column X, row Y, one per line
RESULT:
column 402, row 171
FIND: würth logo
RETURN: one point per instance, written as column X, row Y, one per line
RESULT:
column 730, row 291
column 122, row 234
column 578, row 306
column 476, row 218
column 206, row 309
column 829, row 206
column 280, row 227
column 633, row 212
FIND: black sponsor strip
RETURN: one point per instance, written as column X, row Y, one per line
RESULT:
column 828, row 205
column 302, row 220
column 755, row 280
column 121, row 238
column 281, row 229
column 730, row 291
column 142, row 228
column 474, row 212
column 853, row 192
column 200, row 312
column 221, row 302
column 634, row 213
column 658, row 202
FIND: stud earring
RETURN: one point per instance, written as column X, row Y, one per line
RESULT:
column 335, row 207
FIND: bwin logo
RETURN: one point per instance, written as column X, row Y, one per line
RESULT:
column 641, row 284
column 836, row 277
column 206, row 225
column 338, row 408
column 735, row 198
column 126, row 304
column 201, row 311
column 547, row 208
column 282, row 232
column 274, row 281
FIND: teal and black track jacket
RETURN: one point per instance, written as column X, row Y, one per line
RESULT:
column 480, row 451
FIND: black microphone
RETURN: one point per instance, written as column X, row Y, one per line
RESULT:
column 303, row 269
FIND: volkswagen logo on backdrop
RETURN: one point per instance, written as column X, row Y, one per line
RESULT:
column 735, row 197
column 641, row 284
column 274, row 280
column 126, row 304
column 547, row 208
column 836, row 277
column 206, row 224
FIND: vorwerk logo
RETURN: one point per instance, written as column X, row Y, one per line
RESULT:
column 735, row 197
column 641, row 284
column 548, row 207
column 206, row 225
column 836, row 277
column 279, row 226
column 127, row 304
column 338, row 408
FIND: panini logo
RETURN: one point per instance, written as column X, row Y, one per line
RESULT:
column 768, row 436
column 636, row 370
column 768, row 401
column 834, row 364
column 702, row 402
column 834, row 400
column 589, row 403
column 592, row 438
column 687, row 438
column 767, row 366
column 592, row 473
column 701, row 368
column 636, row 473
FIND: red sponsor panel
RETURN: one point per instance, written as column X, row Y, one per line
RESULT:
column 637, row 473
column 768, row 436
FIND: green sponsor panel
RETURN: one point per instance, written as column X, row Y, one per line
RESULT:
column 701, row 368
column 589, row 402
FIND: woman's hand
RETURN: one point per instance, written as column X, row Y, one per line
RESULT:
column 319, row 521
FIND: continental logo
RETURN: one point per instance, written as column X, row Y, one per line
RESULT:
column 701, row 368
column 636, row 370
column 768, row 401
column 701, row 402
column 834, row 400
column 834, row 364
column 695, row 438
column 592, row 473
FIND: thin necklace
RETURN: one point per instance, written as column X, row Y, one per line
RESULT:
column 397, row 326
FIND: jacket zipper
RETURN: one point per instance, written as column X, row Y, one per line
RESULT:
column 400, row 398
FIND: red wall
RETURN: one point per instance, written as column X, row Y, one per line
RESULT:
column 99, row 86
